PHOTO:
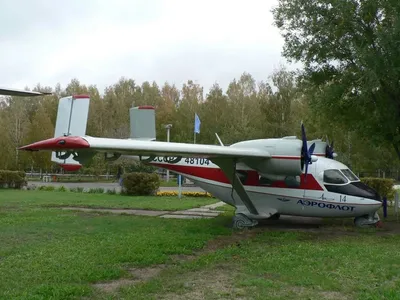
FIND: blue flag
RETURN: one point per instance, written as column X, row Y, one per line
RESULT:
column 196, row 123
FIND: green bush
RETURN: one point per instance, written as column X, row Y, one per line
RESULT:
column 384, row 186
column 111, row 192
column 140, row 184
column 76, row 189
column 12, row 179
column 96, row 191
column 48, row 188
column 61, row 189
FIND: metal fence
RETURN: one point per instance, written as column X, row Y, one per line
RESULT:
column 393, row 174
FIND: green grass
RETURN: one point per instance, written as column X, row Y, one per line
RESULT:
column 163, row 183
column 46, row 253
column 76, row 179
column 17, row 198
column 171, row 183
column 286, row 265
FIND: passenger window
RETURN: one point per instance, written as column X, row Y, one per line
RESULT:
column 334, row 177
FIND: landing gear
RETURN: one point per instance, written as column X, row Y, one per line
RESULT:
column 371, row 220
column 275, row 217
column 241, row 221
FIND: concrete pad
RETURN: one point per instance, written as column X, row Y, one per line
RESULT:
column 194, row 213
column 200, row 209
column 169, row 216
column 215, row 205
column 137, row 212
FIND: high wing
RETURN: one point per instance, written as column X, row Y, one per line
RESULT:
column 21, row 93
column 225, row 157
column 145, row 148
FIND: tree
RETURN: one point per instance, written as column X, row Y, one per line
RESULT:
column 215, row 117
column 17, row 124
column 278, row 107
column 118, row 99
column 192, row 97
column 41, row 128
column 166, row 111
column 352, row 61
column 246, row 116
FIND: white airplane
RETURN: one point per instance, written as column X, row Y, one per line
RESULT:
column 262, row 178
column 21, row 93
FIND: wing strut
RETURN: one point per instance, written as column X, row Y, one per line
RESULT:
column 228, row 166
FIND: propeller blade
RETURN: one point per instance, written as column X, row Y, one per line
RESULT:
column 311, row 150
column 306, row 152
column 329, row 153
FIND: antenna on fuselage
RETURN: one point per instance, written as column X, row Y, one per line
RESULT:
column 219, row 140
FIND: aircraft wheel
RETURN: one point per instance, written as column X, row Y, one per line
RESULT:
column 361, row 222
column 240, row 221
column 367, row 221
column 275, row 217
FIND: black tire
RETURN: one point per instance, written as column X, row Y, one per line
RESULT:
column 275, row 217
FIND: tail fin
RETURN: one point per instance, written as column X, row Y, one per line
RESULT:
column 72, row 118
column 143, row 123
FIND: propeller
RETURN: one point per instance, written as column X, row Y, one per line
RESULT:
column 329, row 153
column 306, row 152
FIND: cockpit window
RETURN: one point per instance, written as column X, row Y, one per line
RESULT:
column 334, row 177
column 349, row 174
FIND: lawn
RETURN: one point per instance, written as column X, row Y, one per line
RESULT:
column 52, row 198
column 46, row 253
column 73, row 179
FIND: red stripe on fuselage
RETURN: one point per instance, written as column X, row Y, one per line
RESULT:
column 217, row 175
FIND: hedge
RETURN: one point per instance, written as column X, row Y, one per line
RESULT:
column 384, row 186
column 12, row 179
column 140, row 184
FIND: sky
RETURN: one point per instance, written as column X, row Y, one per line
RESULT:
column 100, row 41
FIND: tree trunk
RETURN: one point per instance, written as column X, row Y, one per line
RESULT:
column 396, row 147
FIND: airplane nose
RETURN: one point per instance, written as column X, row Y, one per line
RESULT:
column 375, row 195
column 366, row 191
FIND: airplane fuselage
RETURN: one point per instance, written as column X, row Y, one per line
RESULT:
column 311, row 198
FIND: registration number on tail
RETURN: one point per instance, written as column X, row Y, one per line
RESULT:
column 190, row 161
column 197, row 161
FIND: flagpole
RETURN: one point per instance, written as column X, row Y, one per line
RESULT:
column 194, row 142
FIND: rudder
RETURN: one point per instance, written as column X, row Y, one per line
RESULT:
column 72, row 118
column 142, row 123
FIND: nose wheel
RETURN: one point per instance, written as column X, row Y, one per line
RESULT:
column 241, row 221
column 368, row 221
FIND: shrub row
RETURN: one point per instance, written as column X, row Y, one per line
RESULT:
column 12, row 179
column 51, row 188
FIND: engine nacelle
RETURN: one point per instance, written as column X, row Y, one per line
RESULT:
column 285, row 160
column 320, row 148
column 111, row 156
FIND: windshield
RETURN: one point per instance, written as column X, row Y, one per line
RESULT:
column 334, row 177
column 349, row 174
